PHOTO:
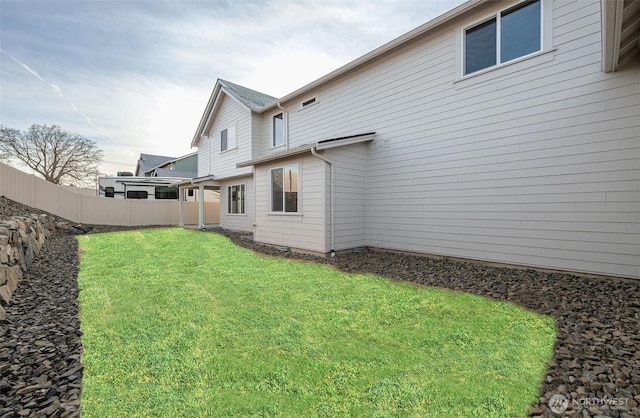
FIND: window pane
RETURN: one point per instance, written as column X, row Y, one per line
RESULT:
column 136, row 194
column 277, row 191
column 166, row 193
column 291, row 188
column 278, row 137
column 236, row 199
column 223, row 140
column 520, row 31
column 241, row 199
column 480, row 47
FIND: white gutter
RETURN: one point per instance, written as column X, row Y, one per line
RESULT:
column 332, row 205
column 433, row 24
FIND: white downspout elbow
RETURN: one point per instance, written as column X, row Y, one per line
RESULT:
column 332, row 203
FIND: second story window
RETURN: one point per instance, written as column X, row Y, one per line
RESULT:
column 224, row 137
column 278, row 130
column 227, row 139
column 510, row 34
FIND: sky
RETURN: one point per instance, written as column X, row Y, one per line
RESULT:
column 135, row 76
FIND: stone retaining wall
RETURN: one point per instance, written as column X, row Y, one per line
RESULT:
column 21, row 239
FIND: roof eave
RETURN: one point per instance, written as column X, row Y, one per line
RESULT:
column 611, row 20
column 275, row 156
column 205, row 115
column 384, row 49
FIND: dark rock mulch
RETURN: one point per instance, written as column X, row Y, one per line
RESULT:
column 40, row 341
column 40, row 347
column 596, row 363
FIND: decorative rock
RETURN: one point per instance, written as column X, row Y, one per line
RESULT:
column 589, row 352
column 5, row 294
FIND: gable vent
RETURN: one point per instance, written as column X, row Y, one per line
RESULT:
column 308, row 102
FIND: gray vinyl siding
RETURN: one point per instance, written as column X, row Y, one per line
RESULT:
column 204, row 158
column 237, row 222
column 305, row 230
column 257, row 144
column 350, row 170
column 229, row 113
column 534, row 163
column 263, row 143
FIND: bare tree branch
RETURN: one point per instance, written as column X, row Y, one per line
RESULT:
column 61, row 157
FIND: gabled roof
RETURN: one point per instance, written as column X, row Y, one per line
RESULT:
column 254, row 100
column 173, row 160
column 149, row 161
column 259, row 102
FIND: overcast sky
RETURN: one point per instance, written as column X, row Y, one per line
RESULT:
column 135, row 76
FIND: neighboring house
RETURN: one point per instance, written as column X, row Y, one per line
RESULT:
column 505, row 131
column 185, row 166
column 155, row 178
column 148, row 162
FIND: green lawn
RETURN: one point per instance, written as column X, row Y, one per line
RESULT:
column 181, row 323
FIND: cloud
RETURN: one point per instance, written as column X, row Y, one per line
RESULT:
column 135, row 76
column 53, row 86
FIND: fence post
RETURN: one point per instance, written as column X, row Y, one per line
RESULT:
column 32, row 195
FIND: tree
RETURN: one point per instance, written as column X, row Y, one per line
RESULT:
column 61, row 157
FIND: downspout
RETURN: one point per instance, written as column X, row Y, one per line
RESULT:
column 332, row 204
column 286, row 125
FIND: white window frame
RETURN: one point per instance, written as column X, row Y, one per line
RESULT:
column 284, row 200
column 546, row 41
column 273, row 130
column 231, row 139
column 243, row 191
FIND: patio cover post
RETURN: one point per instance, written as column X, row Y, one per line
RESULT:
column 201, row 206
column 180, row 207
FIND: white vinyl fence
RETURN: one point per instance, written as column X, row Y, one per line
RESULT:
column 79, row 207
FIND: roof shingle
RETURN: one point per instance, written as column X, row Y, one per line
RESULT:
column 254, row 100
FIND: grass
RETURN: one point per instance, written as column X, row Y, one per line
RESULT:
column 184, row 323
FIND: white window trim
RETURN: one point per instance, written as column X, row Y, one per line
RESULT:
column 272, row 130
column 546, row 41
column 235, row 138
column 283, row 213
column 245, row 200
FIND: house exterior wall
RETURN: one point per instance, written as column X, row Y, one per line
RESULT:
column 190, row 163
column 221, row 164
column 531, row 163
column 306, row 230
column 350, row 183
column 264, row 145
column 237, row 222
column 258, row 142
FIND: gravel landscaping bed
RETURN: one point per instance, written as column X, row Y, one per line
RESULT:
column 596, row 363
